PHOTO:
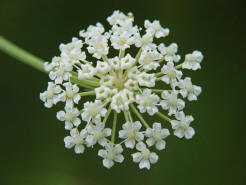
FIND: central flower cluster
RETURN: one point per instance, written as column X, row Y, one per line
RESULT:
column 129, row 84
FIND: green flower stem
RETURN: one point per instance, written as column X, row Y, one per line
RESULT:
column 114, row 127
column 158, row 79
column 160, row 61
column 130, row 116
column 179, row 66
column 138, row 55
column 163, row 117
column 107, row 115
column 122, row 53
column 139, row 116
column 105, row 58
column 126, row 116
column 159, row 74
column 88, row 93
column 21, row 55
column 81, row 83
column 33, row 61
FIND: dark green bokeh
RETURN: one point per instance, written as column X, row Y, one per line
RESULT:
column 32, row 148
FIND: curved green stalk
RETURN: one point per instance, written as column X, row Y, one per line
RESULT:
column 21, row 55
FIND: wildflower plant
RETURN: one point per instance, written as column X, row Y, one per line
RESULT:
column 126, row 83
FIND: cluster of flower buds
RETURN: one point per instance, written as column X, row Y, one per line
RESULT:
column 123, row 84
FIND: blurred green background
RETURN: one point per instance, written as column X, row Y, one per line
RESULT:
column 32, row 148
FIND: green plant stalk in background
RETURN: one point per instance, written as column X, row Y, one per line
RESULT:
column 35, row 62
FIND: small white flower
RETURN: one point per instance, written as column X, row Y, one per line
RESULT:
column 70, row 116
column 71, row 95
column 93, row 111
column 146, row 41
column 88, row 71
column 156, row 29
column 171, row 75
column 76, row 139
column 169, row 52
column 107, row 80
column 103, row 67
column 146, row 79
column 171, row 102
column 131, row 133
column 147, row 102
column 193, row 60
column 133, row 73
column 120, row 18
column 182, row 126
column 156, row 136
column 121, row 100
column 111, row 154
column 50, row 97
column 149, row 59
column 144, row 157
column 102, row 92
column 97, row 133
column 115, row 63
column 187, row 89
column 60, row 74
column 122, row 41
column 98, row 46
column 131, row 84
column 54, row 63
column 127, row 62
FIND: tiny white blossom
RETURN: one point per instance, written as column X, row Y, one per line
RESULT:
column 97, row 133
column 156, row 136
column 70, row 116
column 189, row 90
column 131, row 84
column 144, row 157
column 103, row 67
column 171, row 102
column 88, row 71
column 121, row 100
column 93, row 111
column 149, row 59
column 146, row 79
column 111, row 154
column 76, row 139
column 50, row 97
column 70, row 95
column 156, row 29
column 147, row 102
column 182, row 126
column 193, row 60
column 131, row 132
column 169, row 52
column 171, row 75
column 120, row 18
column 102, row 92
column 127, row 62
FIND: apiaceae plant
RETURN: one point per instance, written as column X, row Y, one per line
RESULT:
column 126, row 84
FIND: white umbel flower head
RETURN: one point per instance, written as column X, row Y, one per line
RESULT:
column 100, row 74
column 131, row 133
column 144, row 157
column 76, row 140
column 156, row 136
column 111, row 154
column 182, row 126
